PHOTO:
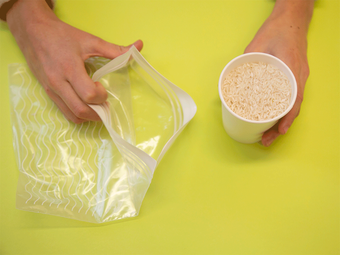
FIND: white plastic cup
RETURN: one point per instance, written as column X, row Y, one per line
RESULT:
column 239, row 128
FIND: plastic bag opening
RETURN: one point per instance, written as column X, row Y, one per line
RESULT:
column 95, row 172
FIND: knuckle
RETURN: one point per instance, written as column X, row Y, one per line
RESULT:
column 77, row 120
column 52, row 80
column 74, row 119
column 105, row 96
column 90, row 96
column 121, row 49
column 297, row 113
column 81, row 112
column 68, row 118
column 68, row 67
column 299, row 97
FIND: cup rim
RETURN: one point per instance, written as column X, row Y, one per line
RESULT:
column 291, row 104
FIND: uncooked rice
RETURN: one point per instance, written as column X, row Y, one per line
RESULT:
column 257, row 91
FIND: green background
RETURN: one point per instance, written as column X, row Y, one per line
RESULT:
column 210, row 194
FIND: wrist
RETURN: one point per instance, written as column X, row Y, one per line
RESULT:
column 26, row 19
column 294, row 13
column 22, row 8
column 24, row 13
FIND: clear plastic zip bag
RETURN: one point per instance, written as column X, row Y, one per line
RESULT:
column 97, row 171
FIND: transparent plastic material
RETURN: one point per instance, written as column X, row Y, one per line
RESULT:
column 97, row 171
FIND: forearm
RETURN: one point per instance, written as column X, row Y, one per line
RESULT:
column 295, row 13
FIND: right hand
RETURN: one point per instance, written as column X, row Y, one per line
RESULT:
column 284, row 35
column 55, row 53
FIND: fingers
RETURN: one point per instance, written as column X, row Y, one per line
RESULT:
column 74, row 93
column 74, row 89
column 283, row 125
column 138, row 44
column 111, row 51
column 269, row 136
column 63, row 107
column 70, row 103
column 88, row 91
column 287, row 120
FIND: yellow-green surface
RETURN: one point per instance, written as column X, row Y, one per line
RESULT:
column 210, row 194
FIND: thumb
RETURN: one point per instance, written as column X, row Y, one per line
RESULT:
column 111, row 51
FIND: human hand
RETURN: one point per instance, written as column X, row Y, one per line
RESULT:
column 284, row 35
column 55, row 53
